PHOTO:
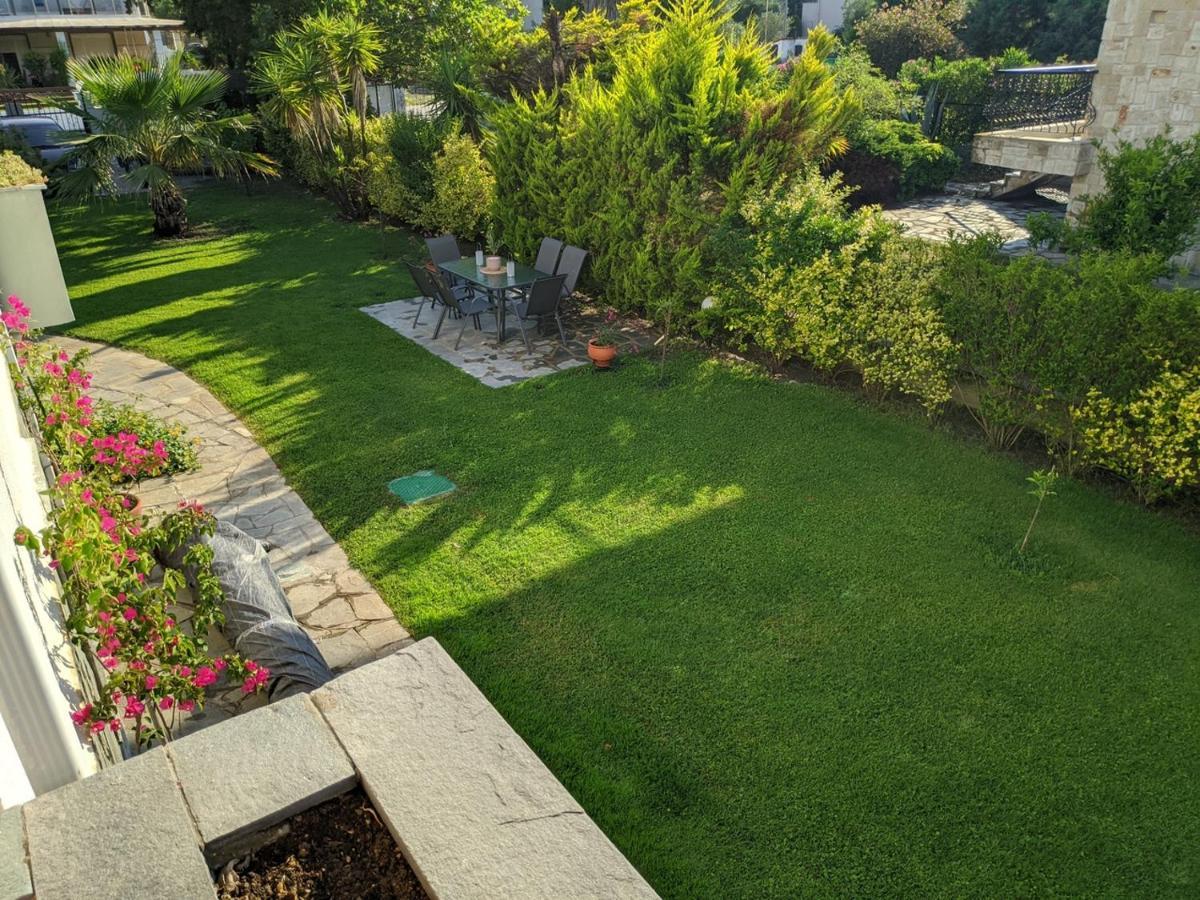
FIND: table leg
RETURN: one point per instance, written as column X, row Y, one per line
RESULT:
column 501, row 315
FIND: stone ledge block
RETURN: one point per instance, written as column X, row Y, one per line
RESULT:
column 477, row 814
column 122, row 833
column 259, row 769
column 15, row 883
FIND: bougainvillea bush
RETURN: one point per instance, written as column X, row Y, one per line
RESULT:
column 104, row 551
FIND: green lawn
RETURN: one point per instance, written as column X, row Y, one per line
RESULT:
column 765, row 634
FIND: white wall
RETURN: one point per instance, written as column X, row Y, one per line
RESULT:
column 38, row 682
column 830, row 13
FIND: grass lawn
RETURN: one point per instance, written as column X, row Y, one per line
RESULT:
column 765, row 634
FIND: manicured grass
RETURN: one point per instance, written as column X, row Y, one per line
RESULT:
column 768, row 636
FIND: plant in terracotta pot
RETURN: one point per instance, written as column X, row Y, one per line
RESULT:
column 602, row 348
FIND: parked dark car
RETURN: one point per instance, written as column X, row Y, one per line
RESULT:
column 42, row 133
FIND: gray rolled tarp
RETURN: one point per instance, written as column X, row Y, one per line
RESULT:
column 258, row 619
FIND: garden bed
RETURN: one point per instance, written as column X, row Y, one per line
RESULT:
column 338, row 849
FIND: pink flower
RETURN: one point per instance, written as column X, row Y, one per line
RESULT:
column 87, row 496
column 166, row 702
column 96, row 727
column 187, row 705
column 134, row 707
column 204, row 677
column 82, row 714
column 129, row 613
column 219, row 664
column 151, row 681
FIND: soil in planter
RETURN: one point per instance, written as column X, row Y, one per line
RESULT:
column 339, row 849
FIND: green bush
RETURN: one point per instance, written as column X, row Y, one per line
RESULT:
column 919, row 29
column 921, row 164
column 1152, row 439
column 809, row 280
column 463, row 187
column 956, row 92
column 881, row 97
column 641, row 171
column 400, row 173
column 1150, row 203
column 1077, row 352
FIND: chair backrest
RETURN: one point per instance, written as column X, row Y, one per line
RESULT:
column 570, row 265
column 438, row 280
column 420, row 277
column 547, row 258
column 544, row 296
column 443, row 249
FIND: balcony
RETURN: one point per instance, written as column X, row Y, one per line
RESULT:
column 62, row 7
column 1037, row 120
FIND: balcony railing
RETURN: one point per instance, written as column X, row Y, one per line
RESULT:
column 61, row 7
column 1055, row 99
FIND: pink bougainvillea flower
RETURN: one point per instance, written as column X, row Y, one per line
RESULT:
column 129, row 613
column 204, row 677
column 151, row 681
column 166, row 702
column 187, row 705
column 82, row 714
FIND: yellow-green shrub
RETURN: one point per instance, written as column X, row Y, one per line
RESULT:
column 15, row 172
column 463, row 186
column 1153, row 440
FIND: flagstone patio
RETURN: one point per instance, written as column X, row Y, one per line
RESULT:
column 478, row 354
column 941, row 216
column 237, row 480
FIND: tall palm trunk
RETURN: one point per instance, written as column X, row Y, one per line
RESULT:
column 170, row 210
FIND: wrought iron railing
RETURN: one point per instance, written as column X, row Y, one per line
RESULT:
column 1057, row 99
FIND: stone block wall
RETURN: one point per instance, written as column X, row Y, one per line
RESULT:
column 1148, row 79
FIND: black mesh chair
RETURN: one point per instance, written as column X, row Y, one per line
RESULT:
column 545, row 295
column 548, row 253
column 470, row 307
column 423, row 279
column 443, row 249
column 570, row 265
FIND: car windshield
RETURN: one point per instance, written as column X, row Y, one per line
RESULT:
column 40, row 134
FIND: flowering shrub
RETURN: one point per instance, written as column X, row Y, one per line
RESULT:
column 104, row 552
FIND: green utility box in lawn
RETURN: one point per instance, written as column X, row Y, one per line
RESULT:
column 29, row 264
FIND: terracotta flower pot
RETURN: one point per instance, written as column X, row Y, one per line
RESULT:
column 131, row 502
column 601, row 355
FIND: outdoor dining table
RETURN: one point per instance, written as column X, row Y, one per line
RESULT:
column 494, row 285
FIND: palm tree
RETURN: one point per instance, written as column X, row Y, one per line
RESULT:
column 305, row 79
column 157, row 121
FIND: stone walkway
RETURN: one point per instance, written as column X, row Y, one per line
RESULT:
column 238, row 481
column 939, row 217
column 478, row 355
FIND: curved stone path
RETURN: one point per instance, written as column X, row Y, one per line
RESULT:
column 237, row 480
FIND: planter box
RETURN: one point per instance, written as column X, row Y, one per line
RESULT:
column 29, row 264
column 474, row 811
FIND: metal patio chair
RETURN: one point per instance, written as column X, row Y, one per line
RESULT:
column 543, row 301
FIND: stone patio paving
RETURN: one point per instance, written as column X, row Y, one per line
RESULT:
column 238, row 481
column 939, row 217
column 478, row 354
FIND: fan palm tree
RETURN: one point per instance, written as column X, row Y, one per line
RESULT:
column 158, row 121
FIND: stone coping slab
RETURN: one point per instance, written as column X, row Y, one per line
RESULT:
column 475, row 810
column 15, row 883
column 123, row 833
column 278, row 761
